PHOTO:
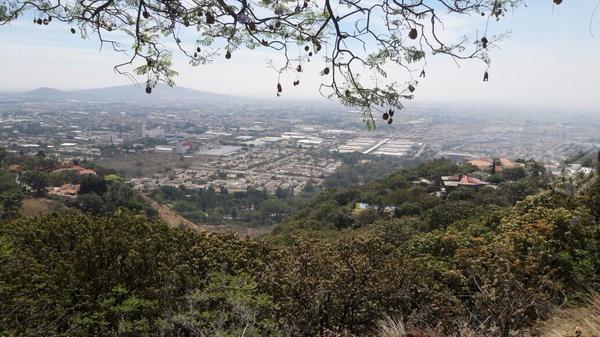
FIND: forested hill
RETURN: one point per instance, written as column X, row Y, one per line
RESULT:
column 416, row 195
column 467, row 263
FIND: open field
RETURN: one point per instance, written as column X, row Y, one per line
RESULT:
column 34, row 207
column 145, row 164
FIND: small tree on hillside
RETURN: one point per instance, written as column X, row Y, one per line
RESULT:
column 35, row 180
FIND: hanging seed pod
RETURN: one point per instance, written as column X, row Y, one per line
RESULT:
column 305, row 4
column 297, row 9
column 557, row 2
column 228, row 55
column 411, row 88
column 413, row 33
column 45, row 21
column 310, row 54
column 390, row 120
column 277, row 24
column 486, row 76
column 72, row 30
column 296, row 82
column 49, row 19
column 210, row 19
column 306, row 48
column 391, row 112
column 484, row 42
column 299, row 68
column 326, row 71
column 348, row 93
column 422, row 74
column 252, row 26
column 178, row 40
column 148, row 89
column 385, row 116
column 271, row 27
column 145, row 14
column 279, row 88
column 265, row 43
column 195, row 55
column 197, row 49
column 39, row 21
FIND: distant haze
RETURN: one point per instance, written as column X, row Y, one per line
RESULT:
column 550, row 61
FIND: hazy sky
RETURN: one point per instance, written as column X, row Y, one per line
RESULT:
column 551, row 59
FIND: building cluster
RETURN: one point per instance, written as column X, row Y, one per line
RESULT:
column 399, row 147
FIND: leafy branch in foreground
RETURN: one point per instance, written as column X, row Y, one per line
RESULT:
column 359, row 41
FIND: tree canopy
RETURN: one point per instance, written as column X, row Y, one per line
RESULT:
column 358, row 41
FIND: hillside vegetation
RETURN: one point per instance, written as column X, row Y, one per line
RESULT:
column 487, row 262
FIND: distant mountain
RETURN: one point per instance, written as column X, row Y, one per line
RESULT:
column 127, row 93
column 43, row 92
column 138, row 93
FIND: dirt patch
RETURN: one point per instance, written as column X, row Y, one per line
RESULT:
column 35, row 207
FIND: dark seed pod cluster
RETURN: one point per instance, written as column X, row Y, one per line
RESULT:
column 411, row 88
column 296, row 82
column 210, row 19
column 413, row 33
column 73, row 31
column 326, row 71
column 279, row 88
column 484, row 42
column 387, row 116
column 422, row 74
column 486, row 77
column 148, row 89
column 228, row 55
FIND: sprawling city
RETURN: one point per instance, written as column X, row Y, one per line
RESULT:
column 196, row 141
column 308, row 168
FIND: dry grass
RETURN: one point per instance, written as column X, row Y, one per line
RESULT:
column 34, row 207
column 580, row 321
column 391, row 327
column 394, row 327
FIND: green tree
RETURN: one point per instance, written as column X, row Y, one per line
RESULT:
column 228, row 306
column 10, row 204
column 91, row 202
column 514, row 174
column 92, row 183
column 3, row 155
column 35, row 180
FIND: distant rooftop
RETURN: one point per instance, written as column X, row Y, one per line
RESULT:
column 221, row 151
